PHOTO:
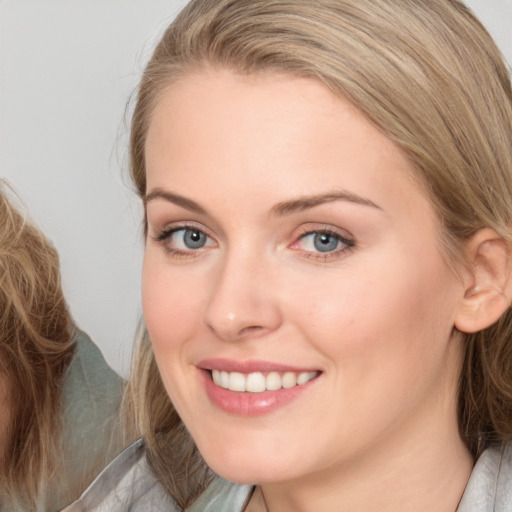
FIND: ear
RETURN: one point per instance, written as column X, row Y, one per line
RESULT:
column 487, row 282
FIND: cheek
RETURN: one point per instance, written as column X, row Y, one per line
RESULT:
column 381, row 317
column 170, row 311
column 386, row 341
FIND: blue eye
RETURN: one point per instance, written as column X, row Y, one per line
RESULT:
column 188, row 238
column 323, row 242
column 184, row 240
column 193, row 238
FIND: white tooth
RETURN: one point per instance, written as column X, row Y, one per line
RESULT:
column 305, row 377
column 224, row 380
column 289, row 380
column 255, row 382
column 236, row 381
column 216, row 377
column 273, row 381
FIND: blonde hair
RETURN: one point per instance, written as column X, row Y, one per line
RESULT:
column 35, row 349
column 429, row 76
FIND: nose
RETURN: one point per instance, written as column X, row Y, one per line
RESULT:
column 243, row 303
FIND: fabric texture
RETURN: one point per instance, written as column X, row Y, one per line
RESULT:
column 489, row 488
column 125, row 484
column 128, row 484
column 91, row 397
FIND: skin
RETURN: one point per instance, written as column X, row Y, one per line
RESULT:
column 375, row 316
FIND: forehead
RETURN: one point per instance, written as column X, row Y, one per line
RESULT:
column 265, row 108
column 261, row 133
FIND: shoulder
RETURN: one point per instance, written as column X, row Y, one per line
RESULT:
column 91, row 433
column 92, row 390
column 90, row 385
column 88, row 363
column 489, row 488
column 126, row 484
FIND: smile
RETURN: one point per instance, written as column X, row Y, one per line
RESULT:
column 254, row 388
column 258, row 382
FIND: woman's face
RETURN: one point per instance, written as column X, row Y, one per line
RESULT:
column 299, row 305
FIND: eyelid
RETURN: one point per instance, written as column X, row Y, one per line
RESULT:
column 312, row 227
column 162, row 237
column 169, row 227
column 347, row 240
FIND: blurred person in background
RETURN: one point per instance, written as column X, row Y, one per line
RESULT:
column 59, row 416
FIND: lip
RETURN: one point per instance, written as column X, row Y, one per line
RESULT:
column 230, row 365
column 246, row 403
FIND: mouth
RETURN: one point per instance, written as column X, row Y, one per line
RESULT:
column 259, row 382
column 254, row 388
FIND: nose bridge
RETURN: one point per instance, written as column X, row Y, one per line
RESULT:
column 241, row 302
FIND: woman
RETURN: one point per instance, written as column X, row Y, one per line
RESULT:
column 59, row 398
column 327, row 276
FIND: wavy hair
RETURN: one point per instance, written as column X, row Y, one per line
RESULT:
column 429, row 77
column 35, row 350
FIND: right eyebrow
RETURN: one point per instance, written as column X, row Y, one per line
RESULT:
column 160, row 193
column 306, row 202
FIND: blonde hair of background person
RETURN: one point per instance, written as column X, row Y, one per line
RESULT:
column 43, row 359
column 430, row 78
column 36, row 348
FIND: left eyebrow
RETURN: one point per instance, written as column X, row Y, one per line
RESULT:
column 306, row 202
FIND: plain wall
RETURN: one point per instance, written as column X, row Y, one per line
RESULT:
column 67, row 69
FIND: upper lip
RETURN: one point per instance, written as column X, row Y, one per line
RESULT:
column 229, row 365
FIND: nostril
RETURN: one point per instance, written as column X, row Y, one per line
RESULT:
column 251, row 330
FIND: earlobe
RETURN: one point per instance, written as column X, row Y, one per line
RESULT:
column 488, row 282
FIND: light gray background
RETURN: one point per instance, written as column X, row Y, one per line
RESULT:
column 67, row 69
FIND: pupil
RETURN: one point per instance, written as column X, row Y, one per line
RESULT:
column 194, row 239
column 325, row 242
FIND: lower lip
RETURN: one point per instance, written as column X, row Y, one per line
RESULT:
column 250, row 404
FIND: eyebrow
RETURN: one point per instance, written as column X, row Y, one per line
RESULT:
column 188, row 204
column 306, row 202
column 281, row 209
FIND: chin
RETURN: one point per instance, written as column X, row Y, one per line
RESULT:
column 242, row 466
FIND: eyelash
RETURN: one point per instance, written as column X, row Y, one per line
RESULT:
column 347, row 244
column 163, row 238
